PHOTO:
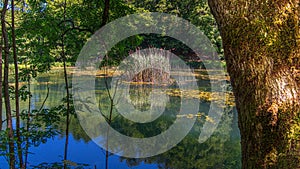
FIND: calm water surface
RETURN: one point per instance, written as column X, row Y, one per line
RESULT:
column 222, row 150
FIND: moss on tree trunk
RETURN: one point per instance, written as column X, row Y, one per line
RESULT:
column 262, row 52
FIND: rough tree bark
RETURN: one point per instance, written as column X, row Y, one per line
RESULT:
column 262, row 51
column 6, row 88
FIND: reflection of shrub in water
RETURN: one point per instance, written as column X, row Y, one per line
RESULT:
column 139, row 96
column 142, row 96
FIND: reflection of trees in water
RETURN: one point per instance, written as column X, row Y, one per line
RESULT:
column 124, row 125
column 222, row 150
column 153, row 128
column 74, row 128
column 54, row 80
column 139, row 98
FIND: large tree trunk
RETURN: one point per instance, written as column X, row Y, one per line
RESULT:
column 262, row 52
